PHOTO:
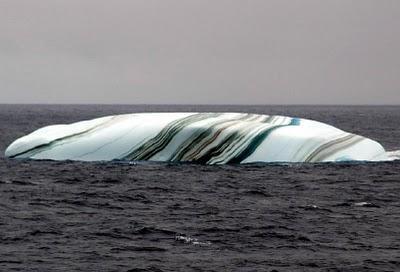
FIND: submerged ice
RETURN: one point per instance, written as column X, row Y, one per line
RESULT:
column 209, row 138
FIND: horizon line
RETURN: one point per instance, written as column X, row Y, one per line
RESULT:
column 192, row 104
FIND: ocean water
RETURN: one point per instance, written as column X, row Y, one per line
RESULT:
column 76, row 216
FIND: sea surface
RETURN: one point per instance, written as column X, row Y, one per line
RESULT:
column 109, row 216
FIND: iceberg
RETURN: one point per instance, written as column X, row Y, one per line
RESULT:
column 207, row 138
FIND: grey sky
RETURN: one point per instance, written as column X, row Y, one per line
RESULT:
column 200, row 51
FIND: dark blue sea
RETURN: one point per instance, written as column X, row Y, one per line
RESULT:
column 81, row 216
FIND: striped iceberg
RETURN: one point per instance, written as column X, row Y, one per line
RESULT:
column 208, row 138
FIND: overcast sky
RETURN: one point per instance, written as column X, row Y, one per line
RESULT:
column 200, row 51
